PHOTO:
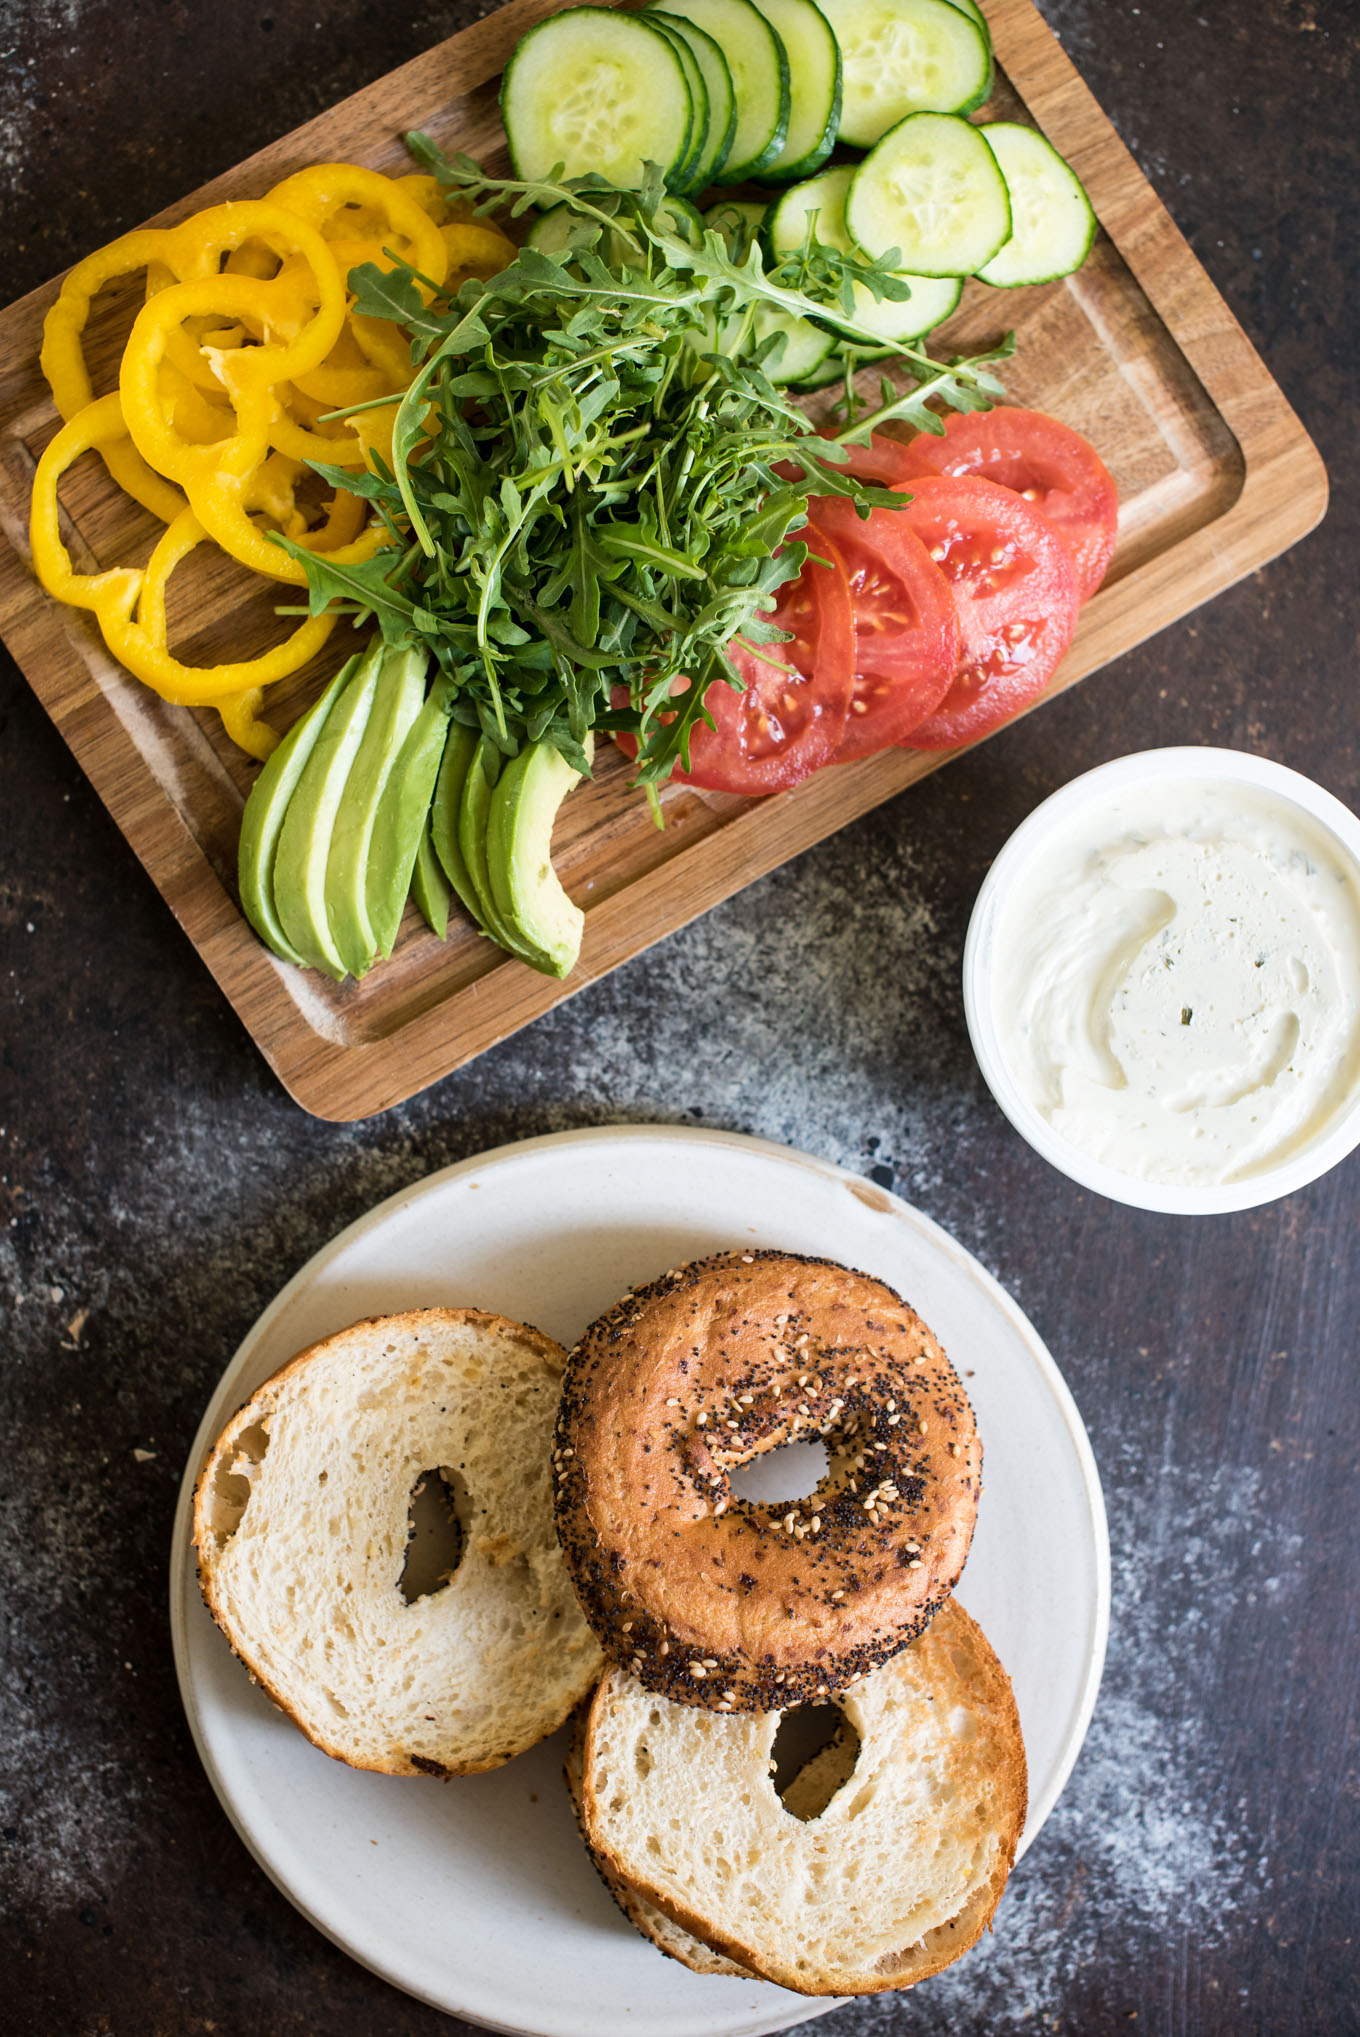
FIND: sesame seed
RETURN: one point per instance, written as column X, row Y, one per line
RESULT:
column 838, row 1594
column 892, row 1407
column 734, row 1425
column 664, row 1649
column 568, row 1453
column 746, row 1399
column 788, row 1524
column 710, row 1662
column 674, row 1401
column 869, row 1504
column 627, row 1627
column 815, row 1523
column 893, row 1420
column 915, row 1563
column 953, row 1449
column 922, row 1429
column 697, row 1669
column 729, row 1695
column 700, row 1421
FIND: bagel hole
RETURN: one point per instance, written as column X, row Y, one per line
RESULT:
column 814, row 1754
column 789, row 1471
column 234, row 1481
column 434, row 1534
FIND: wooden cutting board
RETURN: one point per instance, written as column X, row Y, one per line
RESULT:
column 1138, row 351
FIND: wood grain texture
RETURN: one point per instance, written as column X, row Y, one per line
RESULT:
column 1216, row 476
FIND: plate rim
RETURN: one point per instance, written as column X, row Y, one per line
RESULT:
column 183, row 1568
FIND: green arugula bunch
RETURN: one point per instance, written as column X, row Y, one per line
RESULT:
column 590, row 490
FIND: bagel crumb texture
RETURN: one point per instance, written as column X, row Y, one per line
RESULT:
column 301, row 1521
column 741, row 1605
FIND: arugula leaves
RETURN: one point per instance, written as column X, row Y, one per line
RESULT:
column 594, row 484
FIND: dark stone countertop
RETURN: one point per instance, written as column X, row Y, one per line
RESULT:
column 1200, row 1872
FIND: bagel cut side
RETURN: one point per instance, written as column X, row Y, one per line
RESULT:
column 301, row 1522
column 740, row 1605
column 895, row 1878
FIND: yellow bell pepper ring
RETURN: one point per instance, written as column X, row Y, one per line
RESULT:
column 95, row 428
column 222, row 504
column 320, row 194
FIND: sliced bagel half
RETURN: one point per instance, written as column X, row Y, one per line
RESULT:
column 301, row 1522
column 897, row 1876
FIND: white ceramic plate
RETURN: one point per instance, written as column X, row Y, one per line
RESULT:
column 475, row 1895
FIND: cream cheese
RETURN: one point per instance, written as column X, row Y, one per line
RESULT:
column 1177, row 981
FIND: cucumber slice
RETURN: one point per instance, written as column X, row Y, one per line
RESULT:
column 698, row 95
column 932, row 298
column 722, row 99
column 760, row 77
column 814, row 84
column 974, row 13
column 906, row 56
column 596, row 90
column 551, row 233
column 933, row 190
column 1052, row 223
column 806, row 345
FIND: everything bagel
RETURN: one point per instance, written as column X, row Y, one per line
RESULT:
column 740, row 1605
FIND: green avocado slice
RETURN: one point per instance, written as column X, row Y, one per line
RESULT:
column 459, row 751
column 474, row 814
column 402, row 815
column 397, row 700
column 528, row 893
column 308, row 825
column 430, row 888
column 265, row 810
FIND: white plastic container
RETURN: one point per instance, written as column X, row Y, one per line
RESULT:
column 1004, row 892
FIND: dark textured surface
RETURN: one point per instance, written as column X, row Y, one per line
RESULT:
column 1200, row 1874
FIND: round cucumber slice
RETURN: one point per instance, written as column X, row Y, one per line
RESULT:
column 974, row 13
column 698, row 94
column 722, row 100
column 933, row 190
column 1052, row 224
column 596, row 90
column 814, row 85
column 906, row 56
column 932, row 298
column 551, row 233
column 760, row 78
column 806, row 345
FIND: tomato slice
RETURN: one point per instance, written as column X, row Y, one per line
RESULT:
column 1015, row 588
column 1052, row 466
column 906, row 623
column 791, row 717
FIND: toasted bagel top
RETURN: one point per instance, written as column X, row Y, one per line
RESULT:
column 742, row 1605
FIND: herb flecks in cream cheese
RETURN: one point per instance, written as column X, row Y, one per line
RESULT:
column 1178, row 982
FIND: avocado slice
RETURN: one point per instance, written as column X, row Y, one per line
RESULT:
column 474, row 813
column 527, row 891
column 308, row 825
column 448, row 799
column 265, row 809
column 397, row 699
column 430, row 888
column 402, row 815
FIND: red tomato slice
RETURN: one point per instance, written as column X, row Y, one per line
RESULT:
column 791, row 717
column 1015, row 588
column 885, row 460
column 1049, row 464
column 906, row 624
